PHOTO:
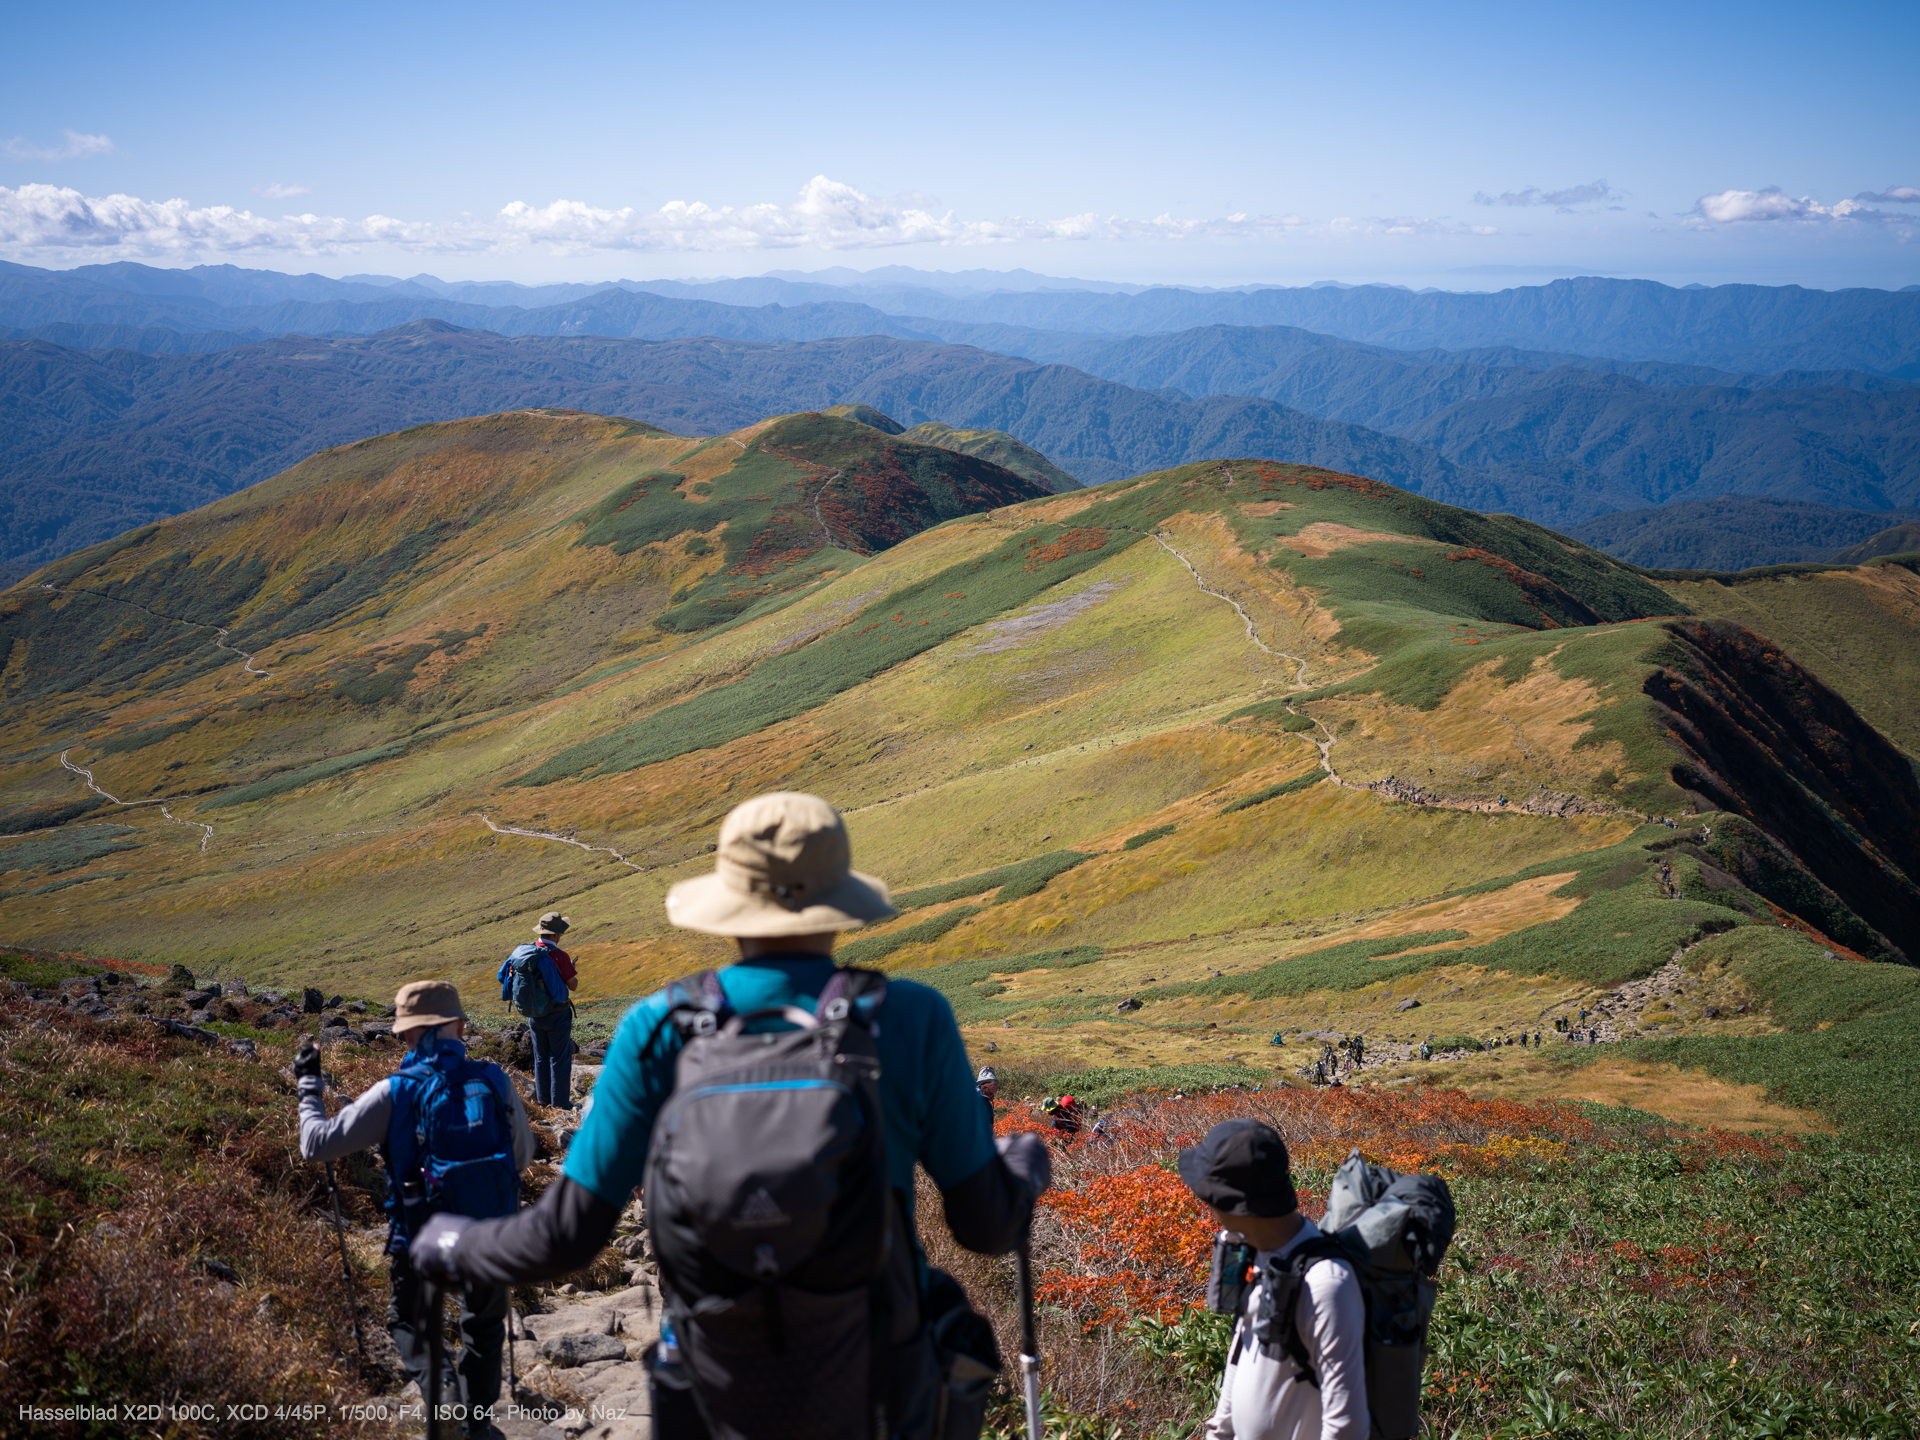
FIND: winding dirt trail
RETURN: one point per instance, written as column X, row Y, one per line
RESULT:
column 220, row 632
column 1554, row 805
column 562, row 840
column 87, row 775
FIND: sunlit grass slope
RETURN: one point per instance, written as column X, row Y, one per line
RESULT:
column 1260, row 747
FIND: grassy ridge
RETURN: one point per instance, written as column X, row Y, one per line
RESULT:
column 1022, row 878
column 905, row 623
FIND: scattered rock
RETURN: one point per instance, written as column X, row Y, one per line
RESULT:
column 312, row 1002
column 78, row 985
column 1127, row 1004
column 335, row 1003
column 199, row 999
column 567, row 1351
column 1712, row 1012
column 180, row 974
column 245, row 1049
column 234, row 987
column 185, row 1032
column 1407, row 1005
column 218, row 1269
column 991, row 1047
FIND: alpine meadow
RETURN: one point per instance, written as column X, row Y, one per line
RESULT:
column 1177, row 780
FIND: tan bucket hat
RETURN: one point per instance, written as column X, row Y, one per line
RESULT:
column 783, row 869
column 426, row 1003
column 554, row 924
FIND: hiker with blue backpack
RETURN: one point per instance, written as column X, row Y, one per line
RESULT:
column 777, row 1109
column 1330, row 1319
column 535, row 980
column 453, row 1138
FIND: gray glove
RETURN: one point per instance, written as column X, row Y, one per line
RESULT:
column 1027, row 1156
column 432, row 1251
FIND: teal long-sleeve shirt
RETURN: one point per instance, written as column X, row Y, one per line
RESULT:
column 932, row 1112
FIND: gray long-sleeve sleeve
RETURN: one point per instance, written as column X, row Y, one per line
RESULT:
column 1264, row 1397
column 363, row 1124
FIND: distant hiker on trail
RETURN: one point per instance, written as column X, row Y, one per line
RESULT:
column 988, row 1084
column 536, row 980
column 1242, row 1172
column 793, row 1100
column 453, row 1137
column 1426, row 1050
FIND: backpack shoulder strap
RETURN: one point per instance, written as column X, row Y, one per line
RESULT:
column 852, row 994
column 1276, row 1324
column 695, row 1005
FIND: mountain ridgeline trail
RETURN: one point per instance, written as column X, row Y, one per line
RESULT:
column 1170, row 765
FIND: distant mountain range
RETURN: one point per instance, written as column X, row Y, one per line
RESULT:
column 1742, row 329
column 96, row 442
column 1799, row 395
column 1733, row 532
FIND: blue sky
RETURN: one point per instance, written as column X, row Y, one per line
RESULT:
column 1207, row 144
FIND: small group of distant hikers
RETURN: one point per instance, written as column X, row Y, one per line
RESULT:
column 772, row 1114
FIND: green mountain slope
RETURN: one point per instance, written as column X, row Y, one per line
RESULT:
column 1902, row 539
column 1262, row 747
column 999, row 447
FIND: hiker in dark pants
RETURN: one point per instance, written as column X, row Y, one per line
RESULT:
column 783, row 889
column 390, row 1116
column 550, row 1025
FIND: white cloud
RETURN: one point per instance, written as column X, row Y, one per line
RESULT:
column 77, row 147
column 826, row 215
column 277, row 191
column 1421, row 225
column 1892, row 195
column 1565, row 199
column 1740, row 207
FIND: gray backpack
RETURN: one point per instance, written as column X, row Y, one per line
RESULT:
column 771, row 1214
column 1394, row 1231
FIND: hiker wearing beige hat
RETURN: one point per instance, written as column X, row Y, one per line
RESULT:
column 453, row 1136
column 766, row 1078
column 535, row 981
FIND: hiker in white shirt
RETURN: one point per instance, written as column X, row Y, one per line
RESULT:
column 1241, row 1170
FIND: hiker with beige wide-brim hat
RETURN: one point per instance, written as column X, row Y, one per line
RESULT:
column 783, row 869
column 783, row 887
column 402, row 1115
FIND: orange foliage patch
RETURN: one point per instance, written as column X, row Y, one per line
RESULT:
column 1123, row 1236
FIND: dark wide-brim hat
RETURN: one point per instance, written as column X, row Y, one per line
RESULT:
column 782, row 868
column 1241, row 1168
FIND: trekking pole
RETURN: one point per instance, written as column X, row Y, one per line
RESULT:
column 1029, row 1347
column 431, row 1307
column 346, row 1269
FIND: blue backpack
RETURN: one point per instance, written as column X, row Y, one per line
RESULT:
column 527, row 984
column 449, row 1141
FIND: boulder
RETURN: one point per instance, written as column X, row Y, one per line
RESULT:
column 181, row 975
column 1407, row 1005
column 185, row 1032
column 234, row 987
column 199, row 999
column 567, row 1351
column 335, row 1003
column 1127, row 1004
column 312, row 1001
column 245, row 1049
column 77, row 985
